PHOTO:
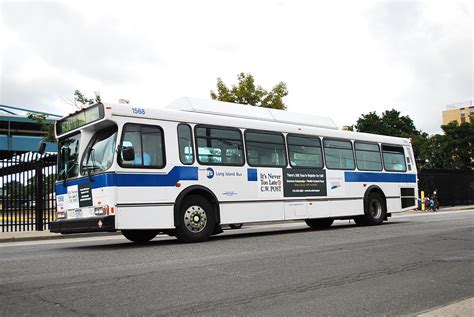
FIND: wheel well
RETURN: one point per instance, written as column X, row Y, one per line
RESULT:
column 196, row 190
column 373, row 189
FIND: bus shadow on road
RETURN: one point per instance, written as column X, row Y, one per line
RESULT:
column 125, row 244
column 284, row 231
column 231, row 234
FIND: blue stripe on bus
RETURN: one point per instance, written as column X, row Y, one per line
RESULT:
column 368, row 177
column 252, row 174
column 177, row 173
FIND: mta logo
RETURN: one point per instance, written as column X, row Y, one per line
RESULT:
column 210, row 173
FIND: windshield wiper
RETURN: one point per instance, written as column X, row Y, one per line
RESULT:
column 74, row 163
column 90, row 168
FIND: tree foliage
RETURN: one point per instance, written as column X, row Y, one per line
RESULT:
column 80, row 100
column 246, row 92
column 454, row 149
column 47, row 127
column 389, row 123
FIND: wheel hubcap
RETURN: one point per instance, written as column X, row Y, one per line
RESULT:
column 375, row 209
column 195, row 219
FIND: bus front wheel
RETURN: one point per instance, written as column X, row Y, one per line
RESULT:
column 375, row 211
column 196, row 219
column 139, row 236
column 319, row 223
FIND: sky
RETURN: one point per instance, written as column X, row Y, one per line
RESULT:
column 339, row 59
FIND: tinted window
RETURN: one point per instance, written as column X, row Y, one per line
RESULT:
column 265, row 149
column 185, row 144
column 217, row 146
column 147, row 143
column 368, row 156
column 393, row 158
column 338, row 154
column 304, row 151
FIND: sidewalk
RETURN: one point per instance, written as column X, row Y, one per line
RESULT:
column 441, row 209
column 42, row 235
column 464, row 308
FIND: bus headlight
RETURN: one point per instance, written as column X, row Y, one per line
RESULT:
column 61, row 215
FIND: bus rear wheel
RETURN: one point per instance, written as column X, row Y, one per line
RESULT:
column 319, row 223
column 375, row 211
column 139, row 236
column 196, row 220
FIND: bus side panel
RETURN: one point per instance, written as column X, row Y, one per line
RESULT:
column 344, row 197
column 296, row 209
column 393, row 204
column 251, row 212
column 149, row 217
column 349, row 207
column 318, row 209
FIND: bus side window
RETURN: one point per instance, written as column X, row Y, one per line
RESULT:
column 368, row 156
column 185, row 144
column 265, row 149
column 338, row 154
column 305, row 151
column 219, row 146
column 393, row 158
column 147, row 143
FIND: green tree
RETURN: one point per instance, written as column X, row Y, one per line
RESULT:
column 454, row 149
column 80, row 100
column 369, row 123
column 393, row 124
column 47, row 127
column 246, row 92
column 389, row 123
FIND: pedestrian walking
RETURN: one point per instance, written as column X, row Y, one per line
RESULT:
column 427, row 203
column 432, row 204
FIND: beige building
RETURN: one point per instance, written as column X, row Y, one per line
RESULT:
column 460, row 112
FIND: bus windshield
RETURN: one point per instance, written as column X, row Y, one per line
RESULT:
column 100, row 152
column 68, row 156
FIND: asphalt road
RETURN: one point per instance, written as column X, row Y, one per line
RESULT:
column 408, row 265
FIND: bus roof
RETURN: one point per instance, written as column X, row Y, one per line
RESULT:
column 217, row 113
column 228, row 109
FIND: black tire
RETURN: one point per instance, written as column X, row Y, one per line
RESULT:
column 323, row 223
column 139, row 236
column 197, row 220
column 236, row 225
column 375, row 211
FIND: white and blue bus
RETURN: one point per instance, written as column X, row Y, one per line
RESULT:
column 188, row 169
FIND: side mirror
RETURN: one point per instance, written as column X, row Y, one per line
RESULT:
column 128, row 153
column 65, row 152
column 42, row 148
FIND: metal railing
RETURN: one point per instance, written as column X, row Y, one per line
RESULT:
column 28, row 200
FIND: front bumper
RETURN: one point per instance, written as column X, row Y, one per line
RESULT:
column 93, row 224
